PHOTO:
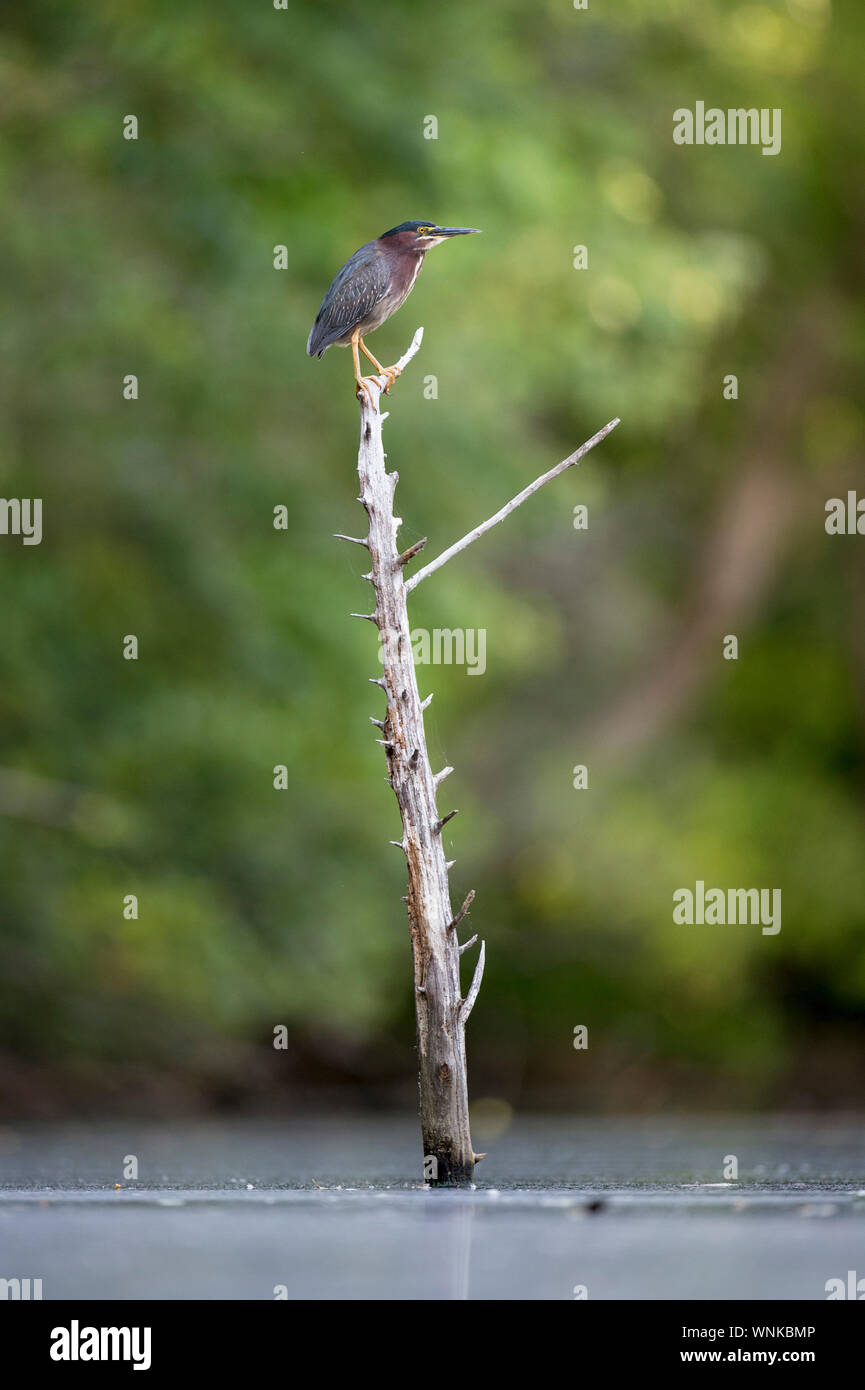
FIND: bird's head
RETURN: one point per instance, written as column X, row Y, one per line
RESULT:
column 420, row 236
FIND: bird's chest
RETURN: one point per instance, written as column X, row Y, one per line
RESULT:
column 402, row 283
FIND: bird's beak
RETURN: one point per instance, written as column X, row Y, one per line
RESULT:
column 453, row 231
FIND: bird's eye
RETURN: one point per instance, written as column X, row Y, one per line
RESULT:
column 424, row 231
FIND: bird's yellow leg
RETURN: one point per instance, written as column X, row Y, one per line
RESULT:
column 362, row 381
column 366, row 352
column 391, row 373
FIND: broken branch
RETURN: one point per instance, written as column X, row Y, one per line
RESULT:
column 469, row 1001
column 509, row 507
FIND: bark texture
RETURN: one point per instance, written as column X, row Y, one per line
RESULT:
column 438, row 1000
column 442, row 1011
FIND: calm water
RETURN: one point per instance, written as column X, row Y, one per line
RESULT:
column 332, row 1208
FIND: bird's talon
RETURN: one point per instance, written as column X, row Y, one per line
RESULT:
column 364, row 388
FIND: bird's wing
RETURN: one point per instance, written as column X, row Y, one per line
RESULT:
column 355, row 291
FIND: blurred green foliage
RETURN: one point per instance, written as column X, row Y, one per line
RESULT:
column 304, row 127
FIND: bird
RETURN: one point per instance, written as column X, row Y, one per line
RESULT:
column 371, row 286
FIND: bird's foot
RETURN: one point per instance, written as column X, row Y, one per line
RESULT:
column 390, row 374
column 364, row 388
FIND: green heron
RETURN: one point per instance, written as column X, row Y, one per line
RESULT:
column 369, row 288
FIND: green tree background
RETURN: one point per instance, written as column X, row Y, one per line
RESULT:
column 305, row 127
